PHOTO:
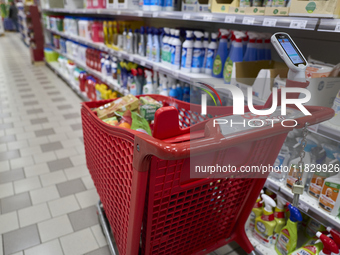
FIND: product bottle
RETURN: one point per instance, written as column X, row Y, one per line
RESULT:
column 279, row 215
column 260, row 47
column 251, row 52
column 336, row 107
column 176, row 51
column 211, row 52
column 287, row 239
column 149, row 45
column 172, row 37
column 311, row 247
column 245, row 42
column 146, row 5
column 205, row 45
column 236, row 55
column 132, row 83
column 135, row 41
column 141, row 43
column 102, row 64
column 187, row 49
column 179, row 92
column 186, row 93
column 267, row 47
column 114, row 68
column 165, row 47
column 294, row 168
column 318, row 178
column 265, row 224
column 173, row 92
column 255, row 212
column 155, row 46
column 197, row 53
column 281, row 162
column 221, row 55
column 148, row 87
column 129, row 42
column 329, row 246
column 335, row 235
column 108, row 67
column 164, row 91
column 124, row 39
column 312, row 227
column 155, row 5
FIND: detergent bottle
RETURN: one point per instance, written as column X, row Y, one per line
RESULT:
column 313, row 227
column 265, row 224
column 205, row 46
column 236, row 55
column 255, row 212
column 294, row 168
column 311, row 247
column 221, row 55
column 211, row 52
column 176, row 51
column 148, row 87
column 319, row 177
column 260, row 47
column 251, row 52
column 287, row 239
column 279, row 215
column 329, row 246
column 335, row 235
column 197, row 53
column 166, row 46
column 245, row 42
column 187, row 49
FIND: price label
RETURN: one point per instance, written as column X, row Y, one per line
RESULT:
column 186, row 16
column 140, row 14
column 155, row 67
column 207, row 17
column 175, row 74
column 298, row 24
column 142, row 63
column 98, row 11
column 155, row 14
column 337, row 27
column 119, row 12
column 248, row 20
column 269, row 22
column 131, row 58
column 230, row 19
column 303, row 207
column 314, row 128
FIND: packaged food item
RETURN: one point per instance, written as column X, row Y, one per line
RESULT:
column 112, row 121
column 148, row 107
column 122, row 104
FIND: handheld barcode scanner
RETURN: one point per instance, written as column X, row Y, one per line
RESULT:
column 291, row 55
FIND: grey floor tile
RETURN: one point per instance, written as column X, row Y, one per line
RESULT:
column 27, row 96
column 8, row 138
column 7, row 155
column 64, row 107
column 44, row 132
column 101, row 251
column 25, row 90
column 84, row 218
column 19, row 80
column 16, row 202
column 5, row 114
column 20, row 239
column 53, row 93
column 58, row 99
column 22, row 85
column 71, row 115
column 39, row 121
column 70, row 187
column 77, row 126
column 30, row 103
column 6, row 125
column 59, row 164
column 41, row 77
column 51, row 146
column 49, row 87
column 34, row 111
column 13, row 175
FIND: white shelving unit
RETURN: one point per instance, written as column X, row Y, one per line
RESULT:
column 327, row 130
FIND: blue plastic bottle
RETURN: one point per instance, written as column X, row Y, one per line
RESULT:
column 236, row 55
column 173, row 92
column 251, row 52
column 149, row 45
column 260, row 49
column 245, row 43
column 179, row 92
column 221, row 55
column 186, row 93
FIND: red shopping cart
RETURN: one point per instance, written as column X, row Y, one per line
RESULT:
column 144, row 184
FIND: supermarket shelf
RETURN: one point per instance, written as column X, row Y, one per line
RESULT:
column 108, row 80
column 307, row 204
column 267, row 21
column 327, row 130
column 55, row 67
column 329, row 25
column 178, row 74
column 259, row 248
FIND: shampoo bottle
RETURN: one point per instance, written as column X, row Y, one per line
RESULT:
column 187, row 52
column 287, row 239
column 265, row 224
column 211, row 52
column 198, row 53
column 221, row 55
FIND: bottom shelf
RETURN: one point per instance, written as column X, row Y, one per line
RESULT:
column 54, row 66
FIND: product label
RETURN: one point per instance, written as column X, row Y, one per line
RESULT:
column 133, row 89
column 217, row 67
column 279, row 215
column 283, row 241
column 172, row 54
column 94, row 3
column 210, row 59
column 316, row 185
column 267, row 217
column 148, row 50
column 293, row 175
column 197, row 58
column 165, row 52
column 302, row 251
column 227, row 71
column 313, row 227
column 177, row 55
column 205, row 57
column 261, row 235
column 329, row 195
column 186, row 57
column 336, row 104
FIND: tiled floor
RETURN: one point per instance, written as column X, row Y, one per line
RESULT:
column 47, row 197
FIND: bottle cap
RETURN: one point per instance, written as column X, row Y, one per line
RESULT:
column 269, row 203
column 295, row 214
column 329, row 245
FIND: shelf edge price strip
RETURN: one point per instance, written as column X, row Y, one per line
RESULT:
column 299, row 24
column 230, row 19
column 337, row 27
column 269, row 22
column 248, row 21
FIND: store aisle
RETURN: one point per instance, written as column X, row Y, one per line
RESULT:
column 47, row 197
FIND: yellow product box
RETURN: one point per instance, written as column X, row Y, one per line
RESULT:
column 276, row 11
column 323, row 8
column 223, row 5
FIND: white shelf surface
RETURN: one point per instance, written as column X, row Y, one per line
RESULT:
column 307, row 204
column 327, row 130
column 305, row 23
column 156, row 66
column 113, row 84
column 55, row 67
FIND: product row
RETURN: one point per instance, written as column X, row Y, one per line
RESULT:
column 286, row 230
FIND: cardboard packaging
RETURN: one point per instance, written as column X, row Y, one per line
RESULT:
column 276, row 11
column 128, row 4
column 247, row 10
column 323, row 8
column 111, row 4
column 223, row 5
column 196, row 6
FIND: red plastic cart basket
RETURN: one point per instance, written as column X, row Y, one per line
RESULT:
column 144, row 182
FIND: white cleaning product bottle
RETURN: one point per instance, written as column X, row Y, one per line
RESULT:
column 164, row 91
column 281, row 162
column 129, row 42
column 329, row 198
column 251, row 52
column 125, row 39
column 165, row 47
column 141, row 43
column 155, row 46
column 187, row 52
column 336, row 107
column 149, row 45
column 279, row 215
column 211, row 52
column 148, row 87
column 205, row 46
column 176, row 51
column 198, row 53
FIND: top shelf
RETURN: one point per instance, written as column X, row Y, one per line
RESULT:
column 302, row 23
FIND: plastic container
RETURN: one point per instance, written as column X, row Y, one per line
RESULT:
column 97, row 32
column 144, row 180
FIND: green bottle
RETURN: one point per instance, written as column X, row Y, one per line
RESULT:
column 311, row 247
column 287, row 239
